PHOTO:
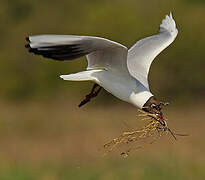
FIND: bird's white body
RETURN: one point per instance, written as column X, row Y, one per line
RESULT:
column 122, row 72
column 123, row 87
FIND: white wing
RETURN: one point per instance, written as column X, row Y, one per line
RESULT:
column 141, row 55
column 101, row 53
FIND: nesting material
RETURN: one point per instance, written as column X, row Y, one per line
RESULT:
column 139, row 138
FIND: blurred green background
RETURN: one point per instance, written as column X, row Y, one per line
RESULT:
column 45, row 136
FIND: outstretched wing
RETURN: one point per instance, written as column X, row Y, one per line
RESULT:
column 141, row 55
column 101, row 53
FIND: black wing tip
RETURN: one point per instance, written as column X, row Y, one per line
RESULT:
column 27, row 46
column 27, row 39
column 30, row 50
column 57, row 52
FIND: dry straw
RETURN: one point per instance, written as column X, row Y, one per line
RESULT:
column 139, row 138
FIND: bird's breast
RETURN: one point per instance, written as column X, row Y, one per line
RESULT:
column 118, row 85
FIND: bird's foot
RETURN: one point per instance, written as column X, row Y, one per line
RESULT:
column 91, row 95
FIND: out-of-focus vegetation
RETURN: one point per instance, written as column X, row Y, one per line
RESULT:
column 56, row 141
column 44, row 135
column 176, row 73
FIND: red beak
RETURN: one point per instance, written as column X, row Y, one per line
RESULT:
column 161, row 119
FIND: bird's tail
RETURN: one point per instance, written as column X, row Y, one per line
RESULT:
column 88, row 75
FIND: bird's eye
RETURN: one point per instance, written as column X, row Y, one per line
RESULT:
column 153, row 106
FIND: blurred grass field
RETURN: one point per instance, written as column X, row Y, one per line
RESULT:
column 57, row 140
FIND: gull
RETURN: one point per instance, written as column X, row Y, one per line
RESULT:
column 121, row 72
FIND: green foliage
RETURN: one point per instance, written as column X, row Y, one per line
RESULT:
column 196, row 1
column 137, row 168
column 177, row 72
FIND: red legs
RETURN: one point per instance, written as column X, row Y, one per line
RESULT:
column 92, row 94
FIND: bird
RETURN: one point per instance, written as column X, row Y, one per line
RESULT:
column 112, row 66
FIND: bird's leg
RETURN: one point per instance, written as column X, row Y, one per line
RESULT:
column 91, row 95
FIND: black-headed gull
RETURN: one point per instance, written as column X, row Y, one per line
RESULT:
column 122, row 72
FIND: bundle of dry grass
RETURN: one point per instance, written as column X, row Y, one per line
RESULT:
column 138, row 138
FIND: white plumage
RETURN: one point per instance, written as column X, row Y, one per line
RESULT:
column 142, row 54
column 121, row 72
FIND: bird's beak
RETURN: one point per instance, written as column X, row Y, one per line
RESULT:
column 160, row 118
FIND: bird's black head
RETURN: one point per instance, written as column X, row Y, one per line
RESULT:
column 154, row 107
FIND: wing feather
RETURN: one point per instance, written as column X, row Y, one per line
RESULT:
column 101, row 52
column 142, row 54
